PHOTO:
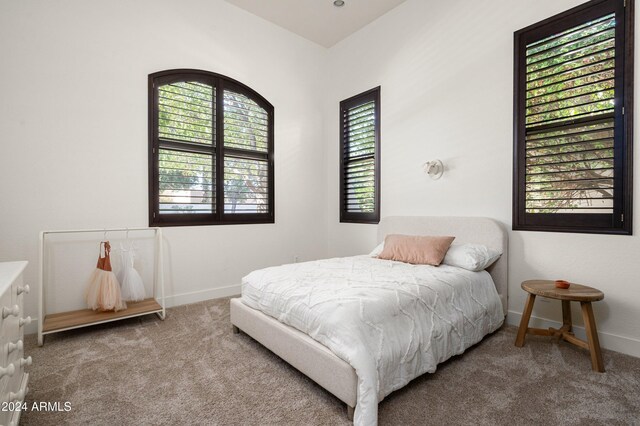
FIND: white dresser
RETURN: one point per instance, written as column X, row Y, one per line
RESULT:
column 13, row 377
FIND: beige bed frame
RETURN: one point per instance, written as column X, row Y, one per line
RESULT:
column 318, row 362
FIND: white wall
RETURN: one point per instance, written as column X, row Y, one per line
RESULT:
column 73, row 130
column 446, row 71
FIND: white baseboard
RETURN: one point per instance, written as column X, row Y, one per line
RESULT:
column 625, row 345
column 201, row 295
column 173, row 300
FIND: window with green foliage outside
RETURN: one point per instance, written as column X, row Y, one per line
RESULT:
column 571, row 171
column 211, row 159
column 360, row 158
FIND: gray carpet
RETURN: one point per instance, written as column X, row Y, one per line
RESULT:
column 190, row 369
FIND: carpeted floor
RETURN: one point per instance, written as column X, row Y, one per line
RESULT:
column 190, row 369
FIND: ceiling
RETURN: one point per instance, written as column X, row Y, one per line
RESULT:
column 319, row 20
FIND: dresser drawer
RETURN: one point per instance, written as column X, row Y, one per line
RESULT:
column 13, row 382
column 14, row 350
column 11, row 396
column 13, row 387
column 4, row 380
column 14, row 397
column 10, row 313
column 18, row 292
column 5, row 416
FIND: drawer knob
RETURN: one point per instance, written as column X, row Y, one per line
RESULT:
column 24, row 321
column 17, row 396
column 13, row 346
column 25, row 361
column 24, row 289
column 8, row 370
column 14, row 311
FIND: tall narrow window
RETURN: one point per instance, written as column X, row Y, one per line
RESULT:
column 211, row 151
column 360, row 158
column 573, row 121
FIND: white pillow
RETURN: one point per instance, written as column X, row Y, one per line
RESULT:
column 473, row 257
column 376, row 251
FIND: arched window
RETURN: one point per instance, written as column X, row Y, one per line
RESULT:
column 210, row 151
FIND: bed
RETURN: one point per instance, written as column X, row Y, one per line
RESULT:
column 275, row 318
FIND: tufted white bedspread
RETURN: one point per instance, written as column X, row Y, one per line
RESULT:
column 390, row 321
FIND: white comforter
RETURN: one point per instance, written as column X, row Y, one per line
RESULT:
column 390, row 321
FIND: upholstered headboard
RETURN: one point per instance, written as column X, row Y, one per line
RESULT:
column 479, row 230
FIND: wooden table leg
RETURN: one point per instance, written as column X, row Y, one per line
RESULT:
column 567, row 325
column 566, row 315
column 524, row 321
column 592, row 337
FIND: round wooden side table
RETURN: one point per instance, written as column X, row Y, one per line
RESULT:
column 575, row 293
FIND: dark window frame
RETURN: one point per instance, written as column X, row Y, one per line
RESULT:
column 217, row 150
column 357, row 217
column 620, row 222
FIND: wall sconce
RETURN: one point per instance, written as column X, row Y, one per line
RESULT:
column 434, row 169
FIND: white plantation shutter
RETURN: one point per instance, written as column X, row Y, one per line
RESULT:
column 360, row 158
column 571, row 169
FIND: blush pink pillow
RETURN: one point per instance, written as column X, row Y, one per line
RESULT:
column 415, row 249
